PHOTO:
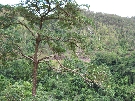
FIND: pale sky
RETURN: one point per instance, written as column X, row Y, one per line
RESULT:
column 124, row 8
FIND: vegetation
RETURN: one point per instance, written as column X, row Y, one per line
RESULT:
column 56, row 51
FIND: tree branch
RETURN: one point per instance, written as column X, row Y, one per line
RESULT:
column 20, row 51
column 26, row 28
column 88, row 81
column 46, row 57
column 49, row 8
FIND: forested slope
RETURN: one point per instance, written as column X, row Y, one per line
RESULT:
column 94, row 62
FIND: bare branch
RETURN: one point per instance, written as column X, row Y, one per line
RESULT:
column 46, row 57
column 49, row 8
column 26, row 27
column 37, row 8
column 88, row 81
column 20, row 52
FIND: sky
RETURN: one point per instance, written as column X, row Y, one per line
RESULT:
column 124, row 8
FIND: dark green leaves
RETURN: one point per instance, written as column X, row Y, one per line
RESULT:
column 7, row 16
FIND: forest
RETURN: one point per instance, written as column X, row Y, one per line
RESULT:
column 57, row 50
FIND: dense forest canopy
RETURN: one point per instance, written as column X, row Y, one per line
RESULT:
column 52, row 50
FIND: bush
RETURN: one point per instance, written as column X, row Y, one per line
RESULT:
column 16, row 92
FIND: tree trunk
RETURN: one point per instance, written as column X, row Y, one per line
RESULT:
column 35, row 66
column 34, row 81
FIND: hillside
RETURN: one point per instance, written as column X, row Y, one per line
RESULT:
column 113, row 31
column 83, row 57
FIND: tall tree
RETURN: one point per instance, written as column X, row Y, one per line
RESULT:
column 36, row 25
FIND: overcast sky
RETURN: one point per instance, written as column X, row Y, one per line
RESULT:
column 124, row 8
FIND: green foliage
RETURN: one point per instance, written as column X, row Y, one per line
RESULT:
column 18, row 91
column 7, row 17
column 122, row 73
column 17, row 70
column 3, row 82
column 108, row 58
column 58, row 26
column 29, row 33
